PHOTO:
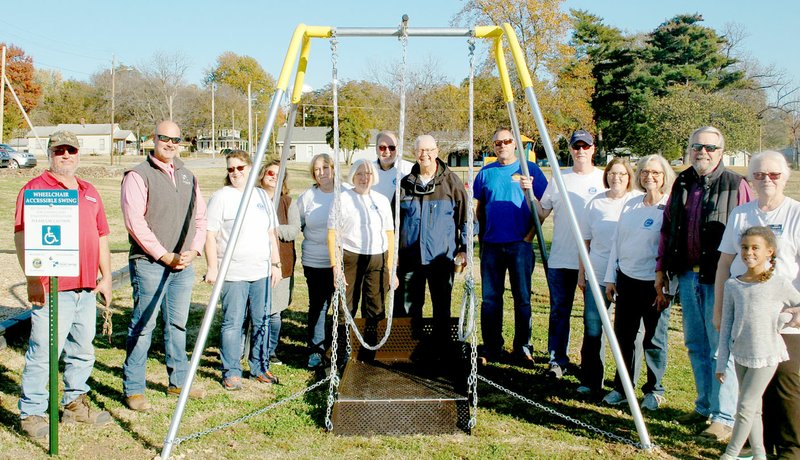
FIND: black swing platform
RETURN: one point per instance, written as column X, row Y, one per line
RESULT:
column 412, row 385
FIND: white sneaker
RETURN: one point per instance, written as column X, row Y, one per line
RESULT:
column 615, row 398
column 653, row 401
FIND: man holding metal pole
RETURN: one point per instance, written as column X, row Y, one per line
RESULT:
column 506, row 231
column 76, row 298
column 583, row 182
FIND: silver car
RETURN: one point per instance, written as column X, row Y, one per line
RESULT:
column 5, row 159
column 17, row 159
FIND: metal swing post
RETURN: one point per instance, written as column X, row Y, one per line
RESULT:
column 208, row 316
column 527, row 84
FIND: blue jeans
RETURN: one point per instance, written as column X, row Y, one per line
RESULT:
column 562, row 283
column 240, row 298
column 593, row 348
column 320, row 290
column 635, row 307
column 702, row 340
column 77, row 316
column 273, row 333
column 496, row 259
column 157, row 288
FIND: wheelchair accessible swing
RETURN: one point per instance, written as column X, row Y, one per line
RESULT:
column 390, row 387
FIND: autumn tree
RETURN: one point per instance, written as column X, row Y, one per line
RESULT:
column 541, row 28
column 674, row 116
column 19, row 71
column 237, row 72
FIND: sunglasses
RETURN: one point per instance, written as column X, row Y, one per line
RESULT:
column 165, row 139
column 581, row 147
column 426, row 189
column 710, row 148
column 764, row 175
column 500, row 142
column 239, row 168
column 270, row 173
column 383, row 148
column 64, row 149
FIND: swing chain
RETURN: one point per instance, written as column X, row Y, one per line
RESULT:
column 255, row 413
column 551, row 411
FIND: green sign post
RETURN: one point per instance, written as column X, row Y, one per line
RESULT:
column 52, row 250
column 53, row 306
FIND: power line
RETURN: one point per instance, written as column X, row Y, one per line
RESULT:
column 59, row 41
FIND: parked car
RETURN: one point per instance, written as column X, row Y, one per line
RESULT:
column 5, row 159
column 17, row 159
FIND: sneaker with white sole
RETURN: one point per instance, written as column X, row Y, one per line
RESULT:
column 653, row 401
column 615, row 398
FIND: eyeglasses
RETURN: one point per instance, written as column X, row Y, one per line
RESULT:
column 650, row 172
column 500, row 142
column 764, row 175
column 64, row 149
column 617, row 174
column 239, row 168
column 710, row 148
column 581, row 147
column 166, row 139
column 383, row 148
column 270, row 173
column 424, row 189
column 427, row 150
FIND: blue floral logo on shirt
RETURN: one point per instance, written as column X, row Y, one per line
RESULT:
column 648, row 223
column 593, row 190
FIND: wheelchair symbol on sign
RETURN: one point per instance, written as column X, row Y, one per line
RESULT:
column 51, row 235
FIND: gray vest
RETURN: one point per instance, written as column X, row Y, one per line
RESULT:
column 171, row 208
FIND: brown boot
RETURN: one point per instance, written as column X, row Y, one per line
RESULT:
column 194, row 393
column 35, row 426
column 79, row 411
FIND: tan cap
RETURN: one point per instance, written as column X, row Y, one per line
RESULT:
column 64, row 138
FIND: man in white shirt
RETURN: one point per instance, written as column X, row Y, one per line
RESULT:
column 387, row 164
column 583, row 182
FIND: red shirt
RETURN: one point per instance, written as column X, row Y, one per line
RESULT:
column 92, row 225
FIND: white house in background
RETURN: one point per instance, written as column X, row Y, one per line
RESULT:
column 93, row 138
column 227, row 138
column 310, row 140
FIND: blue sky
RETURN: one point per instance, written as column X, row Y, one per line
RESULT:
column 78, row 37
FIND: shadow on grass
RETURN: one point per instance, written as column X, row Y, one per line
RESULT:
column 561, row 396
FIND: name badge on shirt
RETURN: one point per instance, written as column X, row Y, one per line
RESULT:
column 515, row 177
column 777, row 229
column 91, row 198
column 661, row 207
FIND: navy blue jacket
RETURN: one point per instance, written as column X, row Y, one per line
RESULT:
column 433, row 217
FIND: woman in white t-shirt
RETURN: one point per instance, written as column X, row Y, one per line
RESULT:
column 598, row 223
column 366, row 231
column 630, row 280
column 769, row 173
column 314, row 206
column 253, row 270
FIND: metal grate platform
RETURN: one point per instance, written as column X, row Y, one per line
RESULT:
column 412, row 385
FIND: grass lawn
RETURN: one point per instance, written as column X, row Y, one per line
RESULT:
column 507, row 427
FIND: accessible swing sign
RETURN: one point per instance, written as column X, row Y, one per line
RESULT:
column 51, row 233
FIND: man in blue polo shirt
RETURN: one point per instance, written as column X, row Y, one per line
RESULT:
column 506, row 231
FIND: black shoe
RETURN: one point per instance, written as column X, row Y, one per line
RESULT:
column 524, row 358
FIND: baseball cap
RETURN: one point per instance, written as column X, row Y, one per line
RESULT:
column 64, row 138
column 581, row 135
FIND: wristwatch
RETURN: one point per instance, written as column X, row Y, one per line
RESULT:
column 276, row 264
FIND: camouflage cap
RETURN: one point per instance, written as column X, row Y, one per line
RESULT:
column 64, row 138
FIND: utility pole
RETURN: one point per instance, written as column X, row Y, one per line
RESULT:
column 111, row 144
column 2, row 91
column 213, row 129
column 249, row 121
